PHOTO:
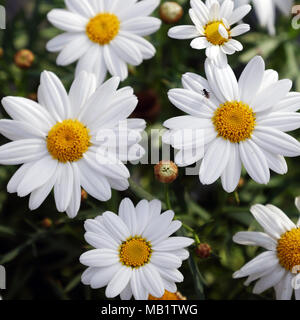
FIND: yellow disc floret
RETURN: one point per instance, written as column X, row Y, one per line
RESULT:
column 103, row 28
column 234, row 121
column 211, row 31
column 68, row 140
column 135, row 252
column 288, row 250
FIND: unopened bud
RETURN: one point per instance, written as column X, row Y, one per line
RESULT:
column 24, row 58
column 166, row 171
column 84, row 195
column 203, row 250
column 32, row 96
column 47, row 223
column 170, row 12
column 1, row 52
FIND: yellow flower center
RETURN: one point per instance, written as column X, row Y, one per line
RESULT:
column 168, row 296
column 135, row 252
column 288, row 249
column 103, row 28
column 68, row 140
column 234, row 121
column 212, row 34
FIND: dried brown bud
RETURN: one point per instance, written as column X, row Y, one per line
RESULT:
column 170, row 12
column 47, row 223
column 84, row 195
column 203, row 250
column 32, row 96
column 169, row 296
column 24, row 59
column 166, row 171
column 241, row 182
column 1, row 52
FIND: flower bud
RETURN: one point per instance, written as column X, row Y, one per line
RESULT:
column 170, row 12
column 166, row 171
column 84, row 195
column 47, row 223
column 203, row 251
column 169, row 296
column 24, row 58
column 1, row 52
column 32, row 96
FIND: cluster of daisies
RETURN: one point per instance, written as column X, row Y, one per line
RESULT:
column 60, row 142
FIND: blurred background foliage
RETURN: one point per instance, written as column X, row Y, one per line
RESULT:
column 41, row 249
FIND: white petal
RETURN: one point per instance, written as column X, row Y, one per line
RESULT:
column 115, row 65
column 239, row 29
column 128, row 214
column 73, row 50
column 66, row 20
column 28, row 111
column 142, row 26
column 63, row 187
column 141, row 8
column 254, row 162
column 116, row 226
column 55, row 97
column 103, row 275
column 119, row 282
column 264, row 261
column 199, row 43
column 75, row 201
column 214, row 161
column 251, row 79
column 82, row 88
column 269, row 280
column 152, row 281
column 173, row 243
column 284, row 289
column 99, row 258
column 271, row 95
column 22, row 151
column 183, row 32
column 93, row 62
column 250, row 238
column 283, row 121
column 239, row 13
column 232, row 173
column 82, row 7
column 276, row 142
column 59, row 42
column 16, row 130
column 37, row 175
column 17, row 177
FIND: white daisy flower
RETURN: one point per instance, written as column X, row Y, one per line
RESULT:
column 104, row 35
column 56, row 141
column 243, row 122
column 134, row 255
column 266, row 11
column 279, row 266
column 212, row 28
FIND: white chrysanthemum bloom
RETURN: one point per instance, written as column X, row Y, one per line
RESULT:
column 243, row 122
column 56, row 140
column 279, row 267
column 134, row 254
column 266, row 11
column 212, row 28
column 104, row 35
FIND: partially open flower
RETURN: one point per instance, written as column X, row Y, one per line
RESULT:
column 24, row 58
column 203, row 251
column 169, row 296
column 166, row 171
column 170, row 12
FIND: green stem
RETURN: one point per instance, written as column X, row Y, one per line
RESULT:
column 237, row 197
column 167, row 197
